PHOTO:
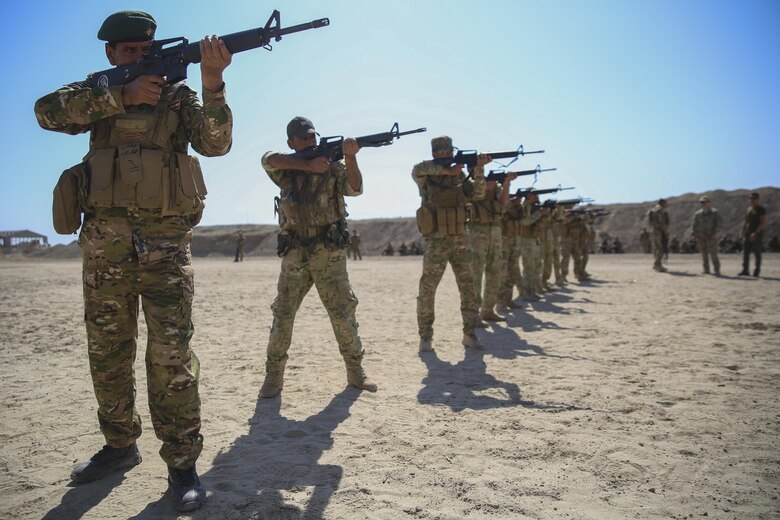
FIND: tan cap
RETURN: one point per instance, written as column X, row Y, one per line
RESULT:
column 704, row 199
column 443, row 143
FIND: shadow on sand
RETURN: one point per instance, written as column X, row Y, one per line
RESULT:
column 80, row 499
column 277, row 455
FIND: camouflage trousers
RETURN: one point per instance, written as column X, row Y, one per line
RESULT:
column 510, row 269
column 486, row 244
column 132, row 254
column 530, row 252
column 549, row 258
column 709, row 250
column 579, row 254
column 658, row 249
column 326, row 269
column 566, row 246
column 455, row 250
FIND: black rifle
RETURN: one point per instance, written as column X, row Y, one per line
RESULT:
column 566, row 203
column 525, row 192
column 594, row 212
column 500, row 175
column 469, row 157
column 331, row 147
column 170, row 58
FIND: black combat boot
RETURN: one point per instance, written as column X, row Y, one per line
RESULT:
column 186, row 490
column 105, row 462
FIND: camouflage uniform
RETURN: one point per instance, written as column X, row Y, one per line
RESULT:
column 546, row 245
column 557, row 232
column 658, row 219
column 706, row 225
column 528, row 234
column 485, row 236
column 511, row 276
column 446, row 240
column 578, row 236
column 355, row 247
column 136, row 242
column 312, row 244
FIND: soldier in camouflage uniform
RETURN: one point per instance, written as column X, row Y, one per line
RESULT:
column 558, row 216
column 578, row 236
column 658, row 219
column 706, row 226
column 143, row 195
column 511, row 276
column 547, row 249
column 312, row 241
column 240, row 242
column 485, row 236
column 355, row 245
column 530, row 249
column 445, row 191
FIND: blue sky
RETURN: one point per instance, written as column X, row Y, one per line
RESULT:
column 632, row 100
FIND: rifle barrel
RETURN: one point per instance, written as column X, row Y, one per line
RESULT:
column 252, row 38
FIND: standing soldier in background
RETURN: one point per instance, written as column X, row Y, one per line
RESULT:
column 510, row 254
column 240, row 241
column 445, row 191
column 644, row 241
column 355, row 245
column 706, row 226
column 136, row 241
column 485, row 236
column 658, row 218
column 752, row 235
column 579, row 237
column 311, row 242
column 528, row 234
column 558, row 216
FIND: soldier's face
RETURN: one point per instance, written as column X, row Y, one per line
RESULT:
column 442, row 153
column 302, row 143
column 126, row 53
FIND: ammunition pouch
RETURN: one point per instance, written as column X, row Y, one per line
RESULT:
column 335, row 235
column 425, row 221
column 451, row 221
column 69, row 199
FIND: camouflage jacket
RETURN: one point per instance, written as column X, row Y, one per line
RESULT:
column 75, row 108
column 428, row 177
column 706, row 223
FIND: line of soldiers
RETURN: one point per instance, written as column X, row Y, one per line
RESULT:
column 479, row 230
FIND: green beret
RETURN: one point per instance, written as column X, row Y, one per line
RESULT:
column 128, row 26
column 443, row 143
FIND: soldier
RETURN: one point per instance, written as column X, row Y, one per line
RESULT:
column 312, row 239
column 403, row 250
column 136, row 242
column 752, row 235
column 389, row 251
column 355, row 245
column 547, row 249
column 485, row 236
column 644, row 241
column 530, row 249
column 579, row 236
column 774, row 245
column 510, row 253
column 240, row 241
column 441, row 219
column 658, row 219
column 617, row 246
column 674, row 246
column 706, row 226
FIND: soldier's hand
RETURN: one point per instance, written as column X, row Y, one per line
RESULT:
column 215, row 58
column 143, row 90
column 483, row 159
column 511, row 176
column 350, row 147
column 319, row 164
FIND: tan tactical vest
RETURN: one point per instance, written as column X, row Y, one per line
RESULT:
column 132, row 162
column 444, row 210
column 488, row 211
column 308, row 202
column 510, row 223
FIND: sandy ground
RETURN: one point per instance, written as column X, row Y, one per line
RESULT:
column 639, row 395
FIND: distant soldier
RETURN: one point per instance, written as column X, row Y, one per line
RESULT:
column 605, row 246
column 403, row 250
column 558, row 216
column 546, row 249
column 355, row 245
column 510, row 254
column 706, row 226
column 674, row 245
column 312, row 237
column 774, row 245
column 445, row 191
column 530, row 247
column 658, row 218
column 389, row 251
column 617, row 246
column 644, row 241
column 240, row 241
column 753, row 235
